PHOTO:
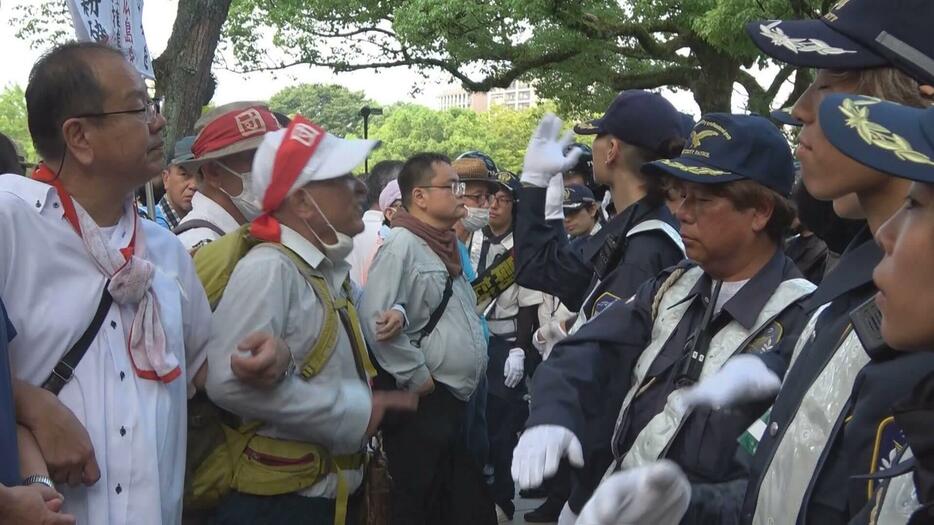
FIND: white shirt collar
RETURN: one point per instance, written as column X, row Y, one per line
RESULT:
column 335, row 273
column 203, row 207
column 373, row 216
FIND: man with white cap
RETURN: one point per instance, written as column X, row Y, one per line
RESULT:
column 306, row 455
column 226, row 142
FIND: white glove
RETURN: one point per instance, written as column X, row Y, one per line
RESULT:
column 545, row 338
column 554, row 199
column 539, row 452
column 742, row 379
column 658, row 493
column 545, row 157
column 515, row 367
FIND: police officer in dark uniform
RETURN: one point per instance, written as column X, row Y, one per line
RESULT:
column 904, row 488
column 634, row 246
column 830, row 425
column 581, row 216
column 511, row 312
column 686, row 322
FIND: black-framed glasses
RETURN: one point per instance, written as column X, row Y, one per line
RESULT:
column 457, row 188
column 152, row 108
column 502, row 201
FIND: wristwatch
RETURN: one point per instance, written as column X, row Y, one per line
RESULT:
column 39, row 479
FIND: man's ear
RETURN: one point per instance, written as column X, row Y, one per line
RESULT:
column 614, row 151
column 75, row 134
column 762, row 214
column 927, row 91
column 210, row 175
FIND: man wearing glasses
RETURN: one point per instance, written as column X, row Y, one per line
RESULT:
column 440, row 354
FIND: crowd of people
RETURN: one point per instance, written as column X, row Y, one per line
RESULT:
column 686, row 322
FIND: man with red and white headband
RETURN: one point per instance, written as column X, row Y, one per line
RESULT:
column 109, row 313
column 226, row 142
column 306, row 458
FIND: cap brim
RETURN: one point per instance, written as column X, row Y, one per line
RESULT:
column 250, row 144
column 811, row 43
column 345, row 157
column 593, row 127
column 690, row 169
column 573, row 207
column 785, row 117
column 885, row 136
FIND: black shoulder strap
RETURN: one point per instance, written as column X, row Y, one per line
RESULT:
column 65, row 368
column 437, row 313
column 197, row 223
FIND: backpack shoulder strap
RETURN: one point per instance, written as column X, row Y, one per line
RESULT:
column 437, row 313
column 197, row 223
column 326, row 343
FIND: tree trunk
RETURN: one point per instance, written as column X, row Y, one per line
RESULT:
column 183, row 71
column 713, row 88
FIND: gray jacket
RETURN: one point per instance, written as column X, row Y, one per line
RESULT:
column 406, row 272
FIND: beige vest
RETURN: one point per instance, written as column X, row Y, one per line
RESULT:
column 792, row 467
column 654, row 439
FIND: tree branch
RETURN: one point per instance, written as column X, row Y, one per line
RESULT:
column 674, row 76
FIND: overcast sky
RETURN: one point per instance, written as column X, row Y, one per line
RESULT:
column 385, row 86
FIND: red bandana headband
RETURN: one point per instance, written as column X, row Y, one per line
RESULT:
column 232, row 127
column 298, row 147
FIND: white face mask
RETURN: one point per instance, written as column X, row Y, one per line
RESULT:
column 246, row 202
column 476, row 219
column 339, row 250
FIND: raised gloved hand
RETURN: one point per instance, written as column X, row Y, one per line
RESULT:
column 658, row 493
column 545, row 156
column 546, row 337
column 515, row 367
column 539, row 452
column 742, row 379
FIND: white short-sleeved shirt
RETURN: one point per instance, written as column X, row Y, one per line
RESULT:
column 51, row 289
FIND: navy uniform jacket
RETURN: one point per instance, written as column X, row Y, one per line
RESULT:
column 833, row 497
column 546, row 262
column 574, row 379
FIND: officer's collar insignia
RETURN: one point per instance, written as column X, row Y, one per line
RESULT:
column 798, row 45
column 767, row 339
column 857, row 118
column 695, row 170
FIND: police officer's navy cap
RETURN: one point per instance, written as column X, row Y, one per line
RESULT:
column 640, row 118
column 508, row 182
column 725, row 148
column 576, row 196
column 183, row 150
column 856, row 34
column 889, row 137
column 785, row 117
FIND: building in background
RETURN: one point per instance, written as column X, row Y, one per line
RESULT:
column 519, row 95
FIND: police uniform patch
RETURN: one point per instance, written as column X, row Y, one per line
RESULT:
column 603, row 302
column 767, row 339
column 890, row 443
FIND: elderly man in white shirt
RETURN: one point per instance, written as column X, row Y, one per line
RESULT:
column 223, row 156
column 71, row 237
column 307, row 456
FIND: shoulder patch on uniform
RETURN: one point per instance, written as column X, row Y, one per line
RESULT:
column 603, row 302
column 767, row 339
column 889, row 445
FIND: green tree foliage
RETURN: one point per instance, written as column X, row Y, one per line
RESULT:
column 13, row 119
column 581, row 52
column 502, row 133
column 334, row 107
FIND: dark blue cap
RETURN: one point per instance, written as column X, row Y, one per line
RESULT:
column 640, row 118
column 183, row 150
column 856, row 34
column 687, row 124
column 725, row 148
column 507, row 181
column 889, row 137
column 576, row 196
